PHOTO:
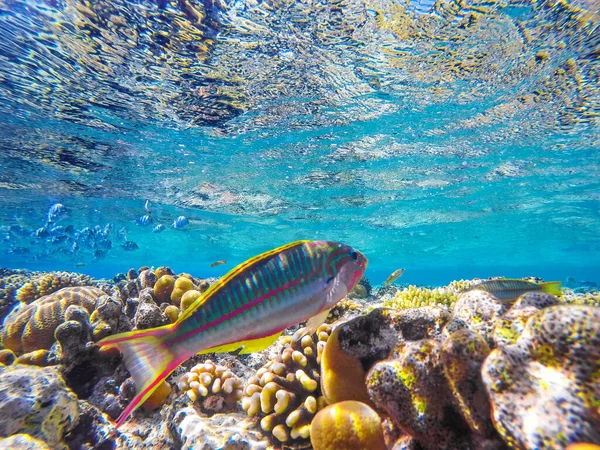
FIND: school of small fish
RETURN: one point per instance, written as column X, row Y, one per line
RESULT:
column 82, row 245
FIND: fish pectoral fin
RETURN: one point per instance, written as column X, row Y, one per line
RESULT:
column 248, row 346
column 315, row 322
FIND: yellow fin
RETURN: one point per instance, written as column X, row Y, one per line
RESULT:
column 253, row 345
column 551, row 287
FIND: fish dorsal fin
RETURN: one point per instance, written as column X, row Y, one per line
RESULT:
column 232, row 273
column 249, row 346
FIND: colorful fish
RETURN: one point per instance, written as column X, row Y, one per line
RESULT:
column 218, row 263
column 508, row 290
column 247, row 309
column 393, row 277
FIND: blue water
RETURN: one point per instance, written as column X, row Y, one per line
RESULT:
column 453, row 141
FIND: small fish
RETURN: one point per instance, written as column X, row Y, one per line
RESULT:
column 508, row 290
column 158, row 228
column 218, row 263
column 248, row 309
column 74, row 247
column 105, row 243
column 122, row 233
column 144, row 221
column 57, row 230
column 393, row 277
column 56, row 212
column 180, row 222
column 20, row 251
column 98, row 254
column 147, row 207
column 107, row 230
column 42, row 233
column 129, row 246
column 59, row 239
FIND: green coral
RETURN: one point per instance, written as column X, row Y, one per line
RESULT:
column 416, row 297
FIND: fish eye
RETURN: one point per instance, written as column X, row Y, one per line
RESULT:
column 354, row 255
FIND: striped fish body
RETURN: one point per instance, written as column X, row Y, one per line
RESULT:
column 508, row 290
column 248, row 308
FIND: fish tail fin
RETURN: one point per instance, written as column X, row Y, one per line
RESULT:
column 150, row 358
column 552, row 287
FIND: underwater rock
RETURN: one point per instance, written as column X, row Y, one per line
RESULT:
column 477, row 311
column 286, row 391
column 31, row 327
column 413, row 391
column 544, row 389
column 147, row 279
column 221, row 431
column 36, row 401
column 214, row 384
column 348, row 425
column 149, row 315
column 22, row 442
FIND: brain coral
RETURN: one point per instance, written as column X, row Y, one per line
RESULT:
column 48, row 283
column 31, row 327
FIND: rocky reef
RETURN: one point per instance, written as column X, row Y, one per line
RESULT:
column 411, row 368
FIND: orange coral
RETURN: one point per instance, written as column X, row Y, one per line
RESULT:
column 349, row 425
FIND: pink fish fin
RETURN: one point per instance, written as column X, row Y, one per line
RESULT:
column 150, row 358
column 247, row 346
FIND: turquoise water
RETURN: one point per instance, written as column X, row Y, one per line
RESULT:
column 453, row 140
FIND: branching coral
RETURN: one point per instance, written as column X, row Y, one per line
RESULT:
column 286, row 391
column 415, row 297
column 214, row 383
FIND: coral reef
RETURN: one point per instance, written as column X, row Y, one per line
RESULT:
column 43, row 284
column 35, row 401
column 349, row 425
column 31, row 327
column 342, row 375
column 220, row 431
column 22, row 442
column 550, row 372
column 217, row 386
column 415, row 297
column 286, row 392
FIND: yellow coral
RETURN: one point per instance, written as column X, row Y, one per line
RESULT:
column 415, row 297
column 32, row 326
column 348, row 425
column 286, row 391
column 182, row 285
column 211, row 380
column 164, row 287
column 342, row 375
